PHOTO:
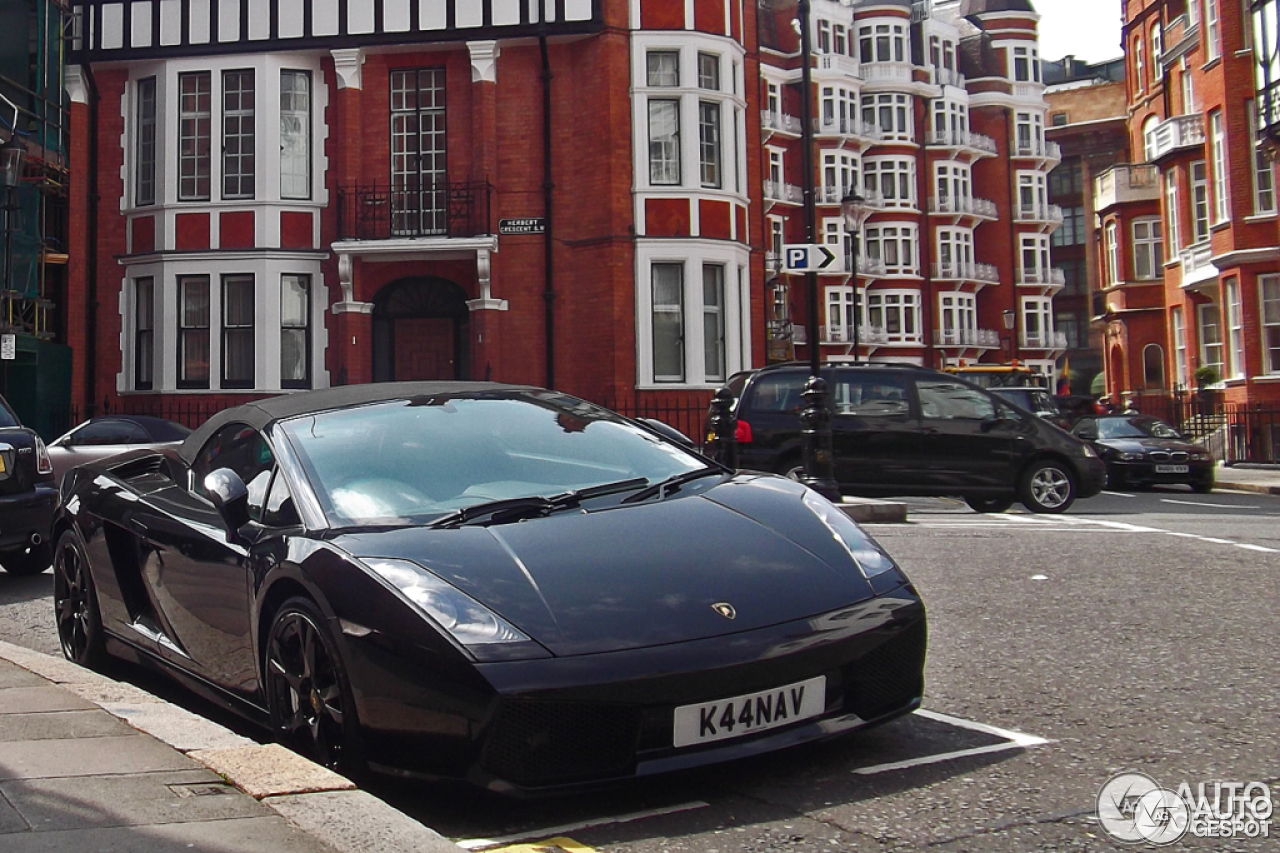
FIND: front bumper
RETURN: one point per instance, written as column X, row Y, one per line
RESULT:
column 1093, row 477
column 563, row 723
column 25, row 514
column 1144, row 472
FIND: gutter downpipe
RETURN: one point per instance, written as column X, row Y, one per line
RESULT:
column 91, row 263
column 548, row 186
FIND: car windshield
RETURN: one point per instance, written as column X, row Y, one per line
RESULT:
column 6, row 417
column 410, row 461
column 1139, row 427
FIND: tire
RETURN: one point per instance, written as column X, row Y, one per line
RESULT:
column 30, row 561
column 75, row 604
column 989, row 504
column 308, row 694
column 1048, row 487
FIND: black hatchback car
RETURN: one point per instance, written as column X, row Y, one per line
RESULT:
column 904, row 430
column 27, row 497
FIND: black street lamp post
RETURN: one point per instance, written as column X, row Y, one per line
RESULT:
column 1009, row 317
column 815, row 417
column 12, row 155
column 856, row 212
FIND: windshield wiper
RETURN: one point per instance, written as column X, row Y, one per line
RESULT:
column 510, row 509
column 671, row 484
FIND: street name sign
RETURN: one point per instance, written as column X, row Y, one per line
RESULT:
column 527, row 225
column 811, row 257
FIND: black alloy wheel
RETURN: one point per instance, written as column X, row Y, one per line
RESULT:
column 75, row 604
column 1048, row 487
column 311, row 707
column 988, row 504
column 27, row 561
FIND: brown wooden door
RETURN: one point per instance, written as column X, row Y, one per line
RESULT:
column 424, row 349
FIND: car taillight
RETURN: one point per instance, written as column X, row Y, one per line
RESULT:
column 743, row 433
column 44, row 464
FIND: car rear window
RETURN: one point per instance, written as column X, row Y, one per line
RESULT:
column 6, row 417
column 778, row 392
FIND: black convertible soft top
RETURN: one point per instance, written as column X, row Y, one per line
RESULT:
column 259, row 413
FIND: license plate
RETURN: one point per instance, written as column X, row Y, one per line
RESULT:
column 3, row 469
column 1172, row 469
column 738, row 716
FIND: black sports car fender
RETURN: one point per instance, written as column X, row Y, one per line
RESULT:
column 397, row 669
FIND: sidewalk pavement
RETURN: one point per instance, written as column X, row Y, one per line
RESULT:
column 1249, row 477
column 88, row 763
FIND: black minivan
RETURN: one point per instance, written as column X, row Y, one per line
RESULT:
column 906, row 430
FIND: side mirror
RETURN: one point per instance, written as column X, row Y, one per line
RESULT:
column 1087, row 434
column 230, row 497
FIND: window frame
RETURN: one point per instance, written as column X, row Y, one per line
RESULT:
column 144, row 192
column 1221, row 182
column 1199, row 201
column 1148, row 248
column 905, row 304
column 144, row 331
column 1269, row 322
column 876, row 237
column 233, row 330
column 195, row 136
column 194, row 331
column 305, row 326
column 301, row 126
column 1234, row 339
column 1207, row 346
column 239, row 133
column 896, row 172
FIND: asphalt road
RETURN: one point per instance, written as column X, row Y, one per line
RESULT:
column 1137, row 632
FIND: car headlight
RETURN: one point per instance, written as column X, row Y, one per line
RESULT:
column 870, row 559
column 1129, row 457
column 469, row 621
column 1201, row 457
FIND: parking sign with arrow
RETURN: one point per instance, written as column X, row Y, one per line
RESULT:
column 810, row 257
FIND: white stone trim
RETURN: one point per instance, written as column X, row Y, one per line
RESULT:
column 484, row 61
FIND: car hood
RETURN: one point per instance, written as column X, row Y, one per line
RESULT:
column 1146, row 445
column 645, row 574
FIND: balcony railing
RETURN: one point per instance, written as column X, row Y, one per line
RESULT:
column 1036, row 275
column 961, row 139
column 1038, row 149
column 1028, row 91
column 1173, row 135
column 866, row 335
column 834, row 195
column 963, row 206
column 947, row 77
column 436, row 210
column 1197, row 263
column 778, row 191
column 856, row 127
column 898, row 72
column 780, row 122
column 965, row 271
column 988, row 338
column 839, row 63
column 1038, row 213
column 1044, row 340
column 1125, row 183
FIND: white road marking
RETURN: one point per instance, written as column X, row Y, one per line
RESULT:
column 1013, row 740
column 1118, row 494
column 1017, row 737
column 1197, row 503
column 934, row 759
column 564, row 829
column 1068, row 524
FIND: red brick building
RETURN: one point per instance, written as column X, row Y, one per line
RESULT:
column 935, row 114
column 1191, row 253
column 297, row 194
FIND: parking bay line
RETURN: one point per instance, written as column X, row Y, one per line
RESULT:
column 485, row 843
column 1015, row 740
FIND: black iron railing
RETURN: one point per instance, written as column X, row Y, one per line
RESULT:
column 432, row 210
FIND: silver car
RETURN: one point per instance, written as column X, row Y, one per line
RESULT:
column 98, row 438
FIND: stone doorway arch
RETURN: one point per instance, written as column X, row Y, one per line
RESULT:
column 420, row 330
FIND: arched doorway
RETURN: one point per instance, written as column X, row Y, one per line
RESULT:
column 420, row 330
